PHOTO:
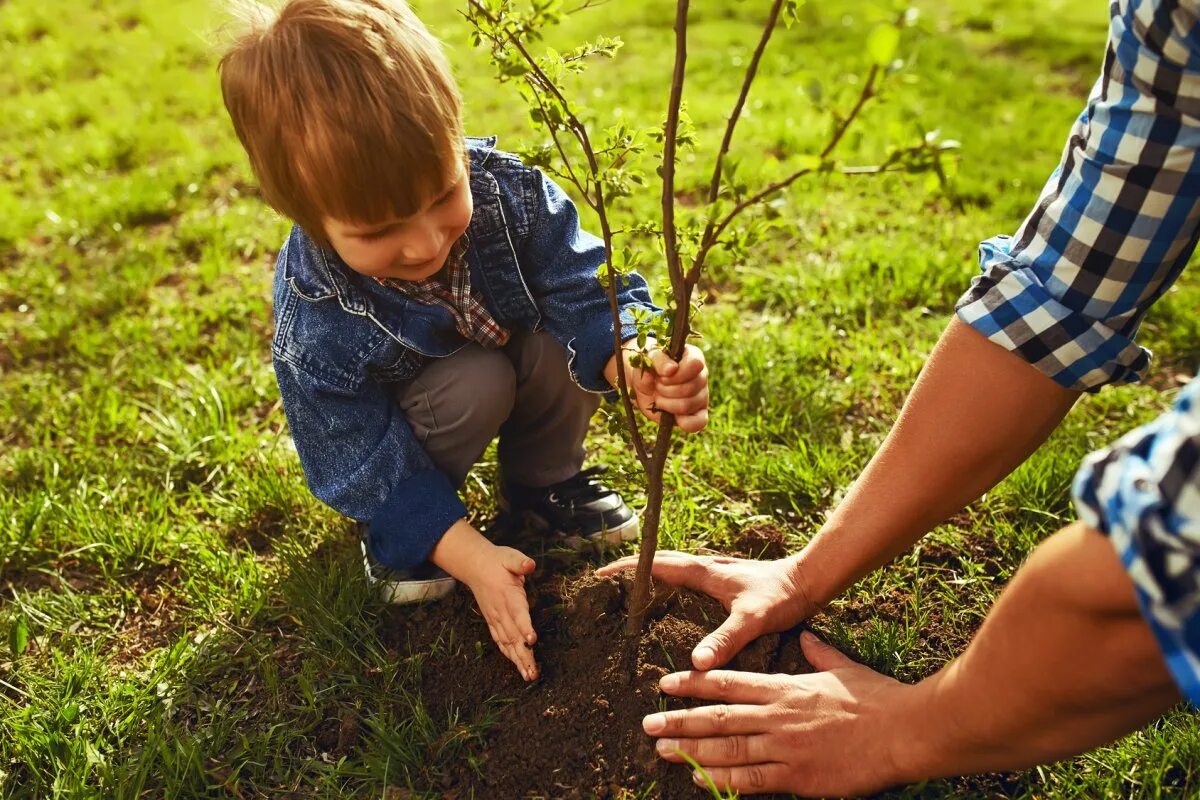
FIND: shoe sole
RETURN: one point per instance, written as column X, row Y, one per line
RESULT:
column 407, row 592
column 626, row 532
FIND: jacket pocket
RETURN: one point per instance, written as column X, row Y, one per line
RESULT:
column 404, row 367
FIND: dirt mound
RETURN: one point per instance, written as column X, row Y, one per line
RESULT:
column 576, row 732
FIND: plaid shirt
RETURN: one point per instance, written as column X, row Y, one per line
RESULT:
column 1118, row 219
column 453, row 293
column 1144, row 494
column 1112, row 230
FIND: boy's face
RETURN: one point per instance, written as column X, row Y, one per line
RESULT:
column 409, row 248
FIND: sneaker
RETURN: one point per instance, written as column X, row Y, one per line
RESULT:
column 401, row 586
column 581, row 507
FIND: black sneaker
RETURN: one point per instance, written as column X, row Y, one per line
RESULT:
column 578, row 508
column 401, row 586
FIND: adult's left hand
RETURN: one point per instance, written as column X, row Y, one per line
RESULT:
column 843, row 730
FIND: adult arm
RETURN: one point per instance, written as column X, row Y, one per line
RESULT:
column 1053, row 313
column 1064, row 662
column 1090, row 640
column 975, row 413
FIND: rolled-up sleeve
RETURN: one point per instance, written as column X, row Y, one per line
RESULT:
column 1117, row 220
column 361, row 458
column 1144, row 494
column 563, row 260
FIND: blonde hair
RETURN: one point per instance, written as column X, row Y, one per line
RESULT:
column 346, row 108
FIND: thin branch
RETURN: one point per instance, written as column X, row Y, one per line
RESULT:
column 670, row 130
column 562, row 153
column 712, row 233
column 587, row 5
column 639, row 601
column 751, row 71
column 872, row 170
column 579, row 130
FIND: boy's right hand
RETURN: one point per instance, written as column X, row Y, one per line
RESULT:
column 496, row 576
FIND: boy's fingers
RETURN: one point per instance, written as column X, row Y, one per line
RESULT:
column 664, row 366
column 642, row 381
column 690, row 368
column 515, row 561
column 518, row 612
column 646, row 404
column 682, row 406
column 693, row 423
column 523, row 659
column 689, row 389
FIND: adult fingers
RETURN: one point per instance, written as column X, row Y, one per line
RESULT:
column 720, row 751
column 729, row 686
column 669, row 566
column 822, row 656
column 706, row 721
column 738, row 630
column 749, row 779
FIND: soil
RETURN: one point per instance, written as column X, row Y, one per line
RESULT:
column 576, row 731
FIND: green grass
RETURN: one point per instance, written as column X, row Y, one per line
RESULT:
column 180, row 616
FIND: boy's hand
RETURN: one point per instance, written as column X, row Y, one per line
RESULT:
column 496, row 576
column 667, row 386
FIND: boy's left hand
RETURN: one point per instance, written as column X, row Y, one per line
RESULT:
column 679, row 388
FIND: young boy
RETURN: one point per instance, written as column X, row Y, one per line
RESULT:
column 431, row 296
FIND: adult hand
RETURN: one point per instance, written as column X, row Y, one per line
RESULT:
column 761, row 597
column 844, row 730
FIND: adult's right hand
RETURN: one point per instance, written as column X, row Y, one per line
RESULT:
column 761, row 596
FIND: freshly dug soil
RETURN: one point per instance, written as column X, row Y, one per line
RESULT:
column 576, row 732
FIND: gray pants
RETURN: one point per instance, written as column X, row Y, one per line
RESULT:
column 521, row 392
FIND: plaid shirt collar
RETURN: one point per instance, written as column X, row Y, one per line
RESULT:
column 452, row 291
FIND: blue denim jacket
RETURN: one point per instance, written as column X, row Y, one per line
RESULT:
column 342, row 340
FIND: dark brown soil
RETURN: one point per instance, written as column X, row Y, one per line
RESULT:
column 577, row 731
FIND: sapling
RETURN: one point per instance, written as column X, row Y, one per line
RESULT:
column 603, row 169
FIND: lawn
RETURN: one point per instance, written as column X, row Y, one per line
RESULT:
column 181, row 617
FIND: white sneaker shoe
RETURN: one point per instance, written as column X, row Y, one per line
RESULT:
column 401, row 586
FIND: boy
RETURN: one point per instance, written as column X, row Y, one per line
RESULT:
column 430, row 297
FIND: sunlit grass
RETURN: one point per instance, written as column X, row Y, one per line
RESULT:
column 178, row 615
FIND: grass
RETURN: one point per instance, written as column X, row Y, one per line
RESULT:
column 181, row 617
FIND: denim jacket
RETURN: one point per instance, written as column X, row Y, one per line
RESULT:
column 342, row 341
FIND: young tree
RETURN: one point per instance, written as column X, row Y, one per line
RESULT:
column 603, row 170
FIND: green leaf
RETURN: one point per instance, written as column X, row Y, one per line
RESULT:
column 18, row 637
column 882, row 44
column 808, row 161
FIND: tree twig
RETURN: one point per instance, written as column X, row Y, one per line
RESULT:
column 712, row 233
column 714, row 186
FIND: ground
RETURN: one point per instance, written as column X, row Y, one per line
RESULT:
column 181, row 617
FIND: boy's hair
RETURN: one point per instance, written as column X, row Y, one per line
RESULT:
column 347, row 109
